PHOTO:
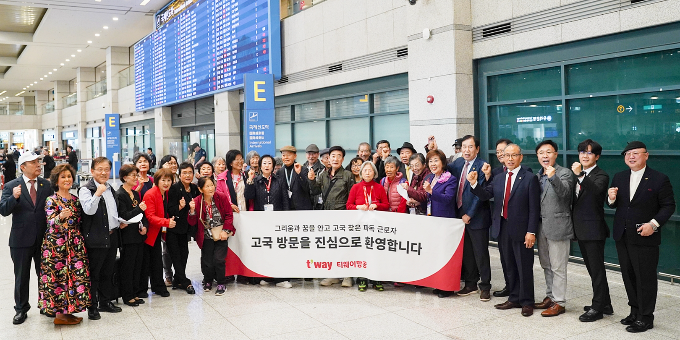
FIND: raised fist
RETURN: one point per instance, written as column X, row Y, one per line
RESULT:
column 486, row 169
column 576, row 168
column 16, row 192
column 612, row 193
column 142, row 206
column 472, row 177
column 101, row 188
column 297, row 167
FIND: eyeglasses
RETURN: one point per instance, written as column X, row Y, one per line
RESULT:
column 514, row 155
column 633, row 153
column 356, row 166
column 543, row 153
column 583, row 153
column 102, row 170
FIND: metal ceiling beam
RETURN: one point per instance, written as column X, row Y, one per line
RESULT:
column 2, row 76
column 16, row 38
column 8, row 61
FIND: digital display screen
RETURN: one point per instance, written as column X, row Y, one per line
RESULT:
column 205, row 47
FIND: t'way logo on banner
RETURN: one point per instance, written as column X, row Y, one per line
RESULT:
column 384, row 246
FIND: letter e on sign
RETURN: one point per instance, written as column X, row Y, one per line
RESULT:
column 112, row 121
column 257, row 91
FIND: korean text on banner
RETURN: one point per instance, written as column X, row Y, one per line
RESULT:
column 384, row 246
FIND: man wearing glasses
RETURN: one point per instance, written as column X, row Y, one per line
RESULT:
column 557, row 228
column 100, row 228
column 643, row 199
column 500, row 154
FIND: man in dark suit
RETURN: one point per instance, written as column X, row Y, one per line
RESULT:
column 24, row 198
column 72, row 157
column 590, row 228
column 500, row 152
column 516, row 218
column 49, row 164
column 644, row 201
column 296, row 180
column 475, row 214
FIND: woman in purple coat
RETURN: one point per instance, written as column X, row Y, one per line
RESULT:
column 440, row 186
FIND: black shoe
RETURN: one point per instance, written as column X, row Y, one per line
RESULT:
column 140, row 301
column 143, row 295
column 190, row 290
column 502, row 293
column 19, row 318
column 467, row 291
column 230, row 278
column 109, row 307
column 445, row 293
column 436, row 291
column 608, row 309
column 640, row 326
column 164, row 293
column 93, row 313
column 134, row 303
column 590, row 316
column 629, row 320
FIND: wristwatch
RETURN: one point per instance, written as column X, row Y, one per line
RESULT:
column 583, row 173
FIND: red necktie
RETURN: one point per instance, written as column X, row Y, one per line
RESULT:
column 34, row 194
column 508, row 186
column 461, row 185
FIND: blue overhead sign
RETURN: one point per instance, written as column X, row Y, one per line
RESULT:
column 112, row 138
column 259, row 113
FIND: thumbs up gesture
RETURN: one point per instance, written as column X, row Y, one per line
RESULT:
column 172, row 222
column 311, row 175
column 182, row 203
column 297, row 168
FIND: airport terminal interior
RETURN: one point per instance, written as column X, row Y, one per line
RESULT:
column 115, row 78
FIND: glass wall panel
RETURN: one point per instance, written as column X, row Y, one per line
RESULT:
column 614, row 121
column 393, row 128
column 391, row 101
column 350, row 106
column 526, row 124
column 348, row 133
column 525, row 85
column 310, row 133
column 282, row 114
column 283, row 136
column 625, row 73
column 313, row 110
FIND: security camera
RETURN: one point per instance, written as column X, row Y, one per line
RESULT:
column 412, row 2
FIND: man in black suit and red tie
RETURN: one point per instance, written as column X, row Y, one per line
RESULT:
column 590, row 228
column 516, row 219
column 644, row 201
column 24, row 198
column 500, row 154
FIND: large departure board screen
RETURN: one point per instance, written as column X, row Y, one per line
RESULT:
column 201, row 47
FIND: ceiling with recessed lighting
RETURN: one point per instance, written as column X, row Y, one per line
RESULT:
column 39, row 36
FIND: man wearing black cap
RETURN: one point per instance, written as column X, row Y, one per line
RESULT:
column 643, row 199
column 199, row 154
column 405, row 152
column 313, row 164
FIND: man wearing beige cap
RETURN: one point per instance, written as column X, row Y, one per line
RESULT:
column 313, row 163
column 296, row 179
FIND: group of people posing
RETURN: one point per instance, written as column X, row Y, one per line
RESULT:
column 74, row 240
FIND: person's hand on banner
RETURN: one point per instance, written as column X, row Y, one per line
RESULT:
column 404, row 185
column 235, row 208
column 362, row 207
column 372, row 207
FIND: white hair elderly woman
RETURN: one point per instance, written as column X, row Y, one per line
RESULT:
column 253, row 162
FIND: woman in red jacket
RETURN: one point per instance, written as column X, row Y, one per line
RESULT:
column 368, row 195
column 417, row 195
column 156, row 200
column 212, row 214
column 393, row 178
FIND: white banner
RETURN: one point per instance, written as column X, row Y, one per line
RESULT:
column 384, row 246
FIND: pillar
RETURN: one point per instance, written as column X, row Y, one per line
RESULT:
column 117, row 59
column 85, row 78
column 440, row 66
column 38, row 100
column 227, row 122
column 166, row 133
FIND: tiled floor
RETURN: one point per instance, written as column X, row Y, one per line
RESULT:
column 308, row 311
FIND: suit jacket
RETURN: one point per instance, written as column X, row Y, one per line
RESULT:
column 29, row 221
column 443, row 197
column 474, row 207
column 588, row 210
column 556, row 200
column 653, row 200
column 299, row 186
column 524, row 204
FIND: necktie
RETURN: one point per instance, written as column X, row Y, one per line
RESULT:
column 461, row 185
column 508, row 186
column 34, row 194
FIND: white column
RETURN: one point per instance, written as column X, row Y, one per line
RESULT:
column 165, row 132
column 85, row 78
column 227, row 122
column 117, row 59
column 440, row 66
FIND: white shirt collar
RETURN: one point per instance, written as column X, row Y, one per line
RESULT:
column 26, row 179
column 639, row 172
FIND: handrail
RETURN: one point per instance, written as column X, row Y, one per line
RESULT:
column 126, row 76
column 97, row 89
column 70, row 100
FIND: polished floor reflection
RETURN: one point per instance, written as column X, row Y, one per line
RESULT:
column 308, row 311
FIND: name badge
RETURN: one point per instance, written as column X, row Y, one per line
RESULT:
column 320, row 200
column 429, row 208
column 268, row 207
column 412, row 211
column 290, row 194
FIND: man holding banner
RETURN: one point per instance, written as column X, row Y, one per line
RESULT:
column 516, row 218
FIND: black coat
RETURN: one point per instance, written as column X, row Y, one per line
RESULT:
column 49, row 165
column 277, row 195
column 29, row 221
column 299, row 185
column 126, row 211
column 588, row 209
column 10, row 169
column 653, row 200
column 175, row 194
column 95, row 228
column 73, row 160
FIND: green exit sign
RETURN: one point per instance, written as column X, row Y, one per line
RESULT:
column 652, row 107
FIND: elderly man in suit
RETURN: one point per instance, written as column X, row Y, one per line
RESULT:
column 643, row 199
column 24, row 198
column 589, row 225
column 501, row 144
column 516, row 218
column 475, row 214
column 557, row 228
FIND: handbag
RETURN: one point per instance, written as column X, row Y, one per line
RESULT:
column 215, row 231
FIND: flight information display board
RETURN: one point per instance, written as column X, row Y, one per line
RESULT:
column 201, row 47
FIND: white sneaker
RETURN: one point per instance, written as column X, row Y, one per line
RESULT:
column 348, row 282
column 284, row 284
column 329, row 282
column 264, row 283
